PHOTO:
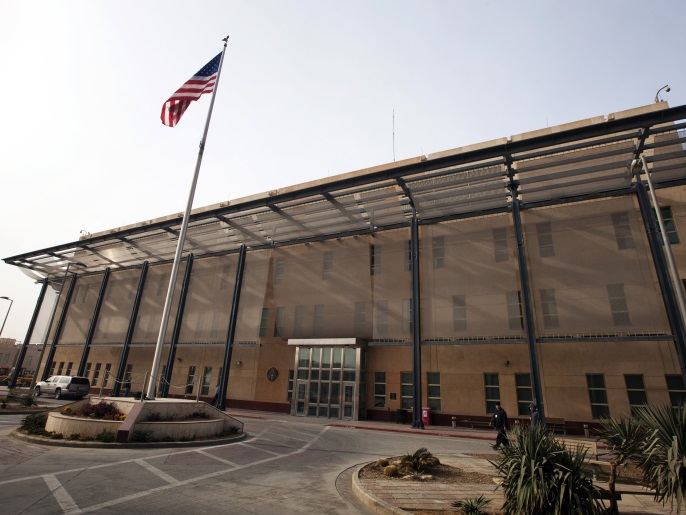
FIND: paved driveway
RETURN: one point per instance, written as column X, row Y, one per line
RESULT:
column 282, row 467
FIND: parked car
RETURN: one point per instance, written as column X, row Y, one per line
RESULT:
column 62, row 386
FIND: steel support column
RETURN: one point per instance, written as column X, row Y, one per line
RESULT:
column 58, row 329
column 22, row 352
column 224, row 379
column 534, row 364
column 655, row 244
column 177, row 328
column 121, row 368
column 93, row 324
column 416, row 325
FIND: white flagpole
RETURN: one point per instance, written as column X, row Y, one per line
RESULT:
column 179, row 246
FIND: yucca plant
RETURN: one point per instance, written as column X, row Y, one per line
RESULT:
column 472, row 506
column 625, row 439
column 664, row 465
column 541, row 477
column 418, row 459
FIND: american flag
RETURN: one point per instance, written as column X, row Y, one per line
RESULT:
column 202, row 82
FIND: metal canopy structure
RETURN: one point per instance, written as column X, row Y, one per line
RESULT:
column 588, row 160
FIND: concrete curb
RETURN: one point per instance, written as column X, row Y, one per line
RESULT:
column 422, row 432
column 371, row 501
column 129, row 445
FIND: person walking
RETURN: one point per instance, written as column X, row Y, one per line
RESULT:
column 215, row 399
column 536, row 418
column 499, row 423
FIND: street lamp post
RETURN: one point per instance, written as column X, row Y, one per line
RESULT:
column 7, row 314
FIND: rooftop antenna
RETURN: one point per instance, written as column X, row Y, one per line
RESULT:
column 657, row 95
column 394, row 135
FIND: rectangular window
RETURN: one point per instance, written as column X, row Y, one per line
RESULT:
column 525, row 394
column 263, row 321
column 438, row 251
column 620, row 222
column 163, row 374
column 433, row 390
column 618, row 304
column 279, row 267
column 379, row 389
column 224, row 277
column 127, row 374
column 676, row 389
column 408, row 256
column 407, row 315
column 549, row 308
column 52, row 368
column 106, row 377
column 60, row 368
column 597, row 395
column 459, row 313
column 28, row 361
column 670, row 226
column 87, row 373
column 318, row 328
column 492, row 390
column 636, row 390
column 382, row 318
column 406, row 390
column 360, row 321
column 514, row 310
column 75, row 295
column 162, row 284
column 279, row 321
column 190, row 382
column 374, row 259
column 289, row 394
column 299, row 322
column 502, row 253
column 206, row 378
column 545, row 239
column 96, row 374
column 327, row 265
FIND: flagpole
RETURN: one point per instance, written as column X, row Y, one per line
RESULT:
column 182, row 236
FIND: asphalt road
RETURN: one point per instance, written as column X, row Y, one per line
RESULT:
column 282, row 467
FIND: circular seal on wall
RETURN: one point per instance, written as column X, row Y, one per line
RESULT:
column 272, row 374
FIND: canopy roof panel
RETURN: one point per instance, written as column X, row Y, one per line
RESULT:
column 564, row 163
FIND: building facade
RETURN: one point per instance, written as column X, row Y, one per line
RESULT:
column 9, row 356
column 524, row 269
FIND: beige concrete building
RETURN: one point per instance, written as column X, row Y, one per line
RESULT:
column 526, row 268
column 9, row 356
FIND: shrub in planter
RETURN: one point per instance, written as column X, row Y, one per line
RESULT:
column 390, row 471
column 541, row 477
column 143, row 435
column 102, row 410
column 34, row 424
column 105, row 436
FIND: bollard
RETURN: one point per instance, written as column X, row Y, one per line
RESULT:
column 586, row 430
column 454, row 421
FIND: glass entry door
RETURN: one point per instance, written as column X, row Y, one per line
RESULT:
column 326, row 382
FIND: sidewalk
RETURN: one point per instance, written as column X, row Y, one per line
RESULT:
column 396, row 497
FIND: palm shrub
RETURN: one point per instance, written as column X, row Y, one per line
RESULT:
column 664, row 464
column 418, row 460
column 474, row 506
column 541, row 477
column 625, row 439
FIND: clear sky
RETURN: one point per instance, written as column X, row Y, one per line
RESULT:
column 308, row 90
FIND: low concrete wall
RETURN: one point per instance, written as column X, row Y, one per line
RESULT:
column 182, row 430
column 137, row 419
column 67, row 426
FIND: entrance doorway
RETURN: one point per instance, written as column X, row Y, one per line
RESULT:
column 328, row 382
